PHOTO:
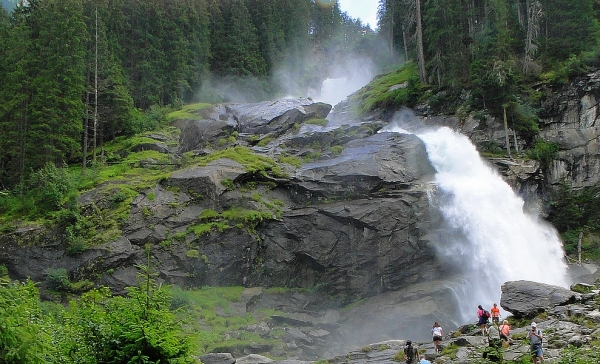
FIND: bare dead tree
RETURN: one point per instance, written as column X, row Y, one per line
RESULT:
column 534, row 15
column 96, row 88
column 413, row 19
column 420, row 52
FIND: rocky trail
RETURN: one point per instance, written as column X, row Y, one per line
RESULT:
column 566, row 317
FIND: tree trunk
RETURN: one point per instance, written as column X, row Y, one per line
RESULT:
column 506, row 133
column 420, row 53
column 534, row 14
column 86, row 119
column 96, row 89
column 405, row 44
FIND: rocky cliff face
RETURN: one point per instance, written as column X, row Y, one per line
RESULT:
column 352, row 219
column 569, row 117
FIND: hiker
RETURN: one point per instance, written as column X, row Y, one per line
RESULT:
column 505, row 333
column 495, row 311
column 437, row 333
column 483, row 319
column 411, row 354
column 535, row 340
column 423, row 360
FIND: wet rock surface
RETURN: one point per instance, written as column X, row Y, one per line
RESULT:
column 352, row 217
column 563, row 324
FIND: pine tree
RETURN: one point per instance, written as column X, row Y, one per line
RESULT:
column 234, row 42
column 57, row 81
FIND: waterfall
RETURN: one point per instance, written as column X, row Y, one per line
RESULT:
column 486, row 235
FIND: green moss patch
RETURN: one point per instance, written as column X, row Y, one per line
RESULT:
column 253, row 162
column 320, row 122
column 399, row 88
column 190, row 111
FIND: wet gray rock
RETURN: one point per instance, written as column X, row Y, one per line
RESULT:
column 275, row 117
column 527, row 299
column 254, row 359
column 207, row 180
column 157, row 147
column 217, row 358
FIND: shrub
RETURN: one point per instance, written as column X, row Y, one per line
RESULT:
column 545, row 152
column 208, row 214
column 24, row 335
column 192, row 253
column 291, row 160
column 228, row 184
column 336, row 149
column 58, row 279
column 50, row 188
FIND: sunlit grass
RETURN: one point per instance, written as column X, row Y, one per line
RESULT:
column 187, row 112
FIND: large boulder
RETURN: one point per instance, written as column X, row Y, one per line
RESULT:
column 383, row 161
column 276, row 117
column 209, row 181
column 528, row 299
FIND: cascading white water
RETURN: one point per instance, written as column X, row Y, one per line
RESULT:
column 487, row 234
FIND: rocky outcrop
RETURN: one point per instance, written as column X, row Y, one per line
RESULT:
column 570, row 118
column 564, row 323
column 528, row 299
column 263, row 119
column 352, row 218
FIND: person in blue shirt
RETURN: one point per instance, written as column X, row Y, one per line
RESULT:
column 423, row 360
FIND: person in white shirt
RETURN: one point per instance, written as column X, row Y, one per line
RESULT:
column 437, row 333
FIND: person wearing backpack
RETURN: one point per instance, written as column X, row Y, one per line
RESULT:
column 535, row 340
column 411, row 354
column 483, row 316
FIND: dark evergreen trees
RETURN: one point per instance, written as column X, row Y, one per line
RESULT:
column 41, row 99
column 235, row 43
column 57, row 82
column 567, row 28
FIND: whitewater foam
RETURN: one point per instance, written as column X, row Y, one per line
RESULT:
column 487, row 235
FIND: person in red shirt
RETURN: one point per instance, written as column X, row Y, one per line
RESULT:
column 495, row 312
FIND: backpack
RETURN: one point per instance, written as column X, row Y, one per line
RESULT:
column 412, row 354
column 486, row 314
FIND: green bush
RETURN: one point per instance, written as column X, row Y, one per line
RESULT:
column 572, row 355
column 24, row 332
column 545, row 152
column 192, row 253
column 58, row 279
column 228, row 184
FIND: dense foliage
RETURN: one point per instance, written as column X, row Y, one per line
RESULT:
column 95, row 328
column 522, row 37
column 487, row 53
column 575, row 212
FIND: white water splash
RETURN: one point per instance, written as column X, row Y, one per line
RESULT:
column 346, row 77
column 487, row 235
